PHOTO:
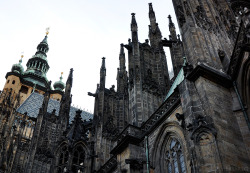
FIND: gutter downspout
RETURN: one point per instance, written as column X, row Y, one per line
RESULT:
column 241, row 104
column 147, row 153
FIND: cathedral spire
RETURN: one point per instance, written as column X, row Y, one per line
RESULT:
column 102, row 75
column 37, row 66
column 134, row 28
column 172, row 29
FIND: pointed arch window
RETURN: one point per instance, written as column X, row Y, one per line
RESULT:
column 78, row 159
column 63, row 160
column 174, row 157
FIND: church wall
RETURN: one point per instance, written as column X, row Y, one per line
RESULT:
column 243, row 88
column 157, row 140
column 217, row 103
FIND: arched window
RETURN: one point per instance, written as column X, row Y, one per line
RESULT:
column 78, row 160
column 63, row 160
column 174, row 157
column 13, row 82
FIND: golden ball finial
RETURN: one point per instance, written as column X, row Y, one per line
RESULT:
column 22, row 54
column 47, row 31
column 61, row 73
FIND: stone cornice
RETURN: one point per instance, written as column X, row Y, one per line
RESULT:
column 210, row 73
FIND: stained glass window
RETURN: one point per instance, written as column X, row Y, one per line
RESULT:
column 63, row 159
column 78, row 160
column 174, row 157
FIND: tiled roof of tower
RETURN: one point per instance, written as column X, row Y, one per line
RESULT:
column 34, row 102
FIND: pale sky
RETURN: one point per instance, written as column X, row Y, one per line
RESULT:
column 81, row 33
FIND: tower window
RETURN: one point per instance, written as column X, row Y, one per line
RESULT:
column 24, row 89
column 8, row 81
column 13, row 82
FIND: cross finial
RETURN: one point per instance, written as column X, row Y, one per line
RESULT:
column 47, row 31
column 61, row 75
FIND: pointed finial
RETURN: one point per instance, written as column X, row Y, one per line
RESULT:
column 133, row 19
column 20, row 61
column 122, row 49
column 47, row 31
column 103, row 63
column 150, row 6
column 171, row 24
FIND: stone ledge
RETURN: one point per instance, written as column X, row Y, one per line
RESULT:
column 210, row 73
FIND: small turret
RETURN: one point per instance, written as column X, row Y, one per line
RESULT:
column 18, row 68
column 59, row 85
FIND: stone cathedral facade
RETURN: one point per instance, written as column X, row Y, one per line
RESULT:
column 198, row 121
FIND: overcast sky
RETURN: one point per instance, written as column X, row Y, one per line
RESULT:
column 81, row 33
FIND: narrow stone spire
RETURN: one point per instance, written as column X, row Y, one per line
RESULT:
column 70, row 78
column 134, row 28
column 172, row 29
column 133, row 22
column 171, row 24
column 122, row 59
column 103, row 67
column 66, row 102
column 44, row 107
column 102, row 75
column 122, row 49
column 151, row 15
column 154, row 30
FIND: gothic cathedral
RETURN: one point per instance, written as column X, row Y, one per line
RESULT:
column 198, row 121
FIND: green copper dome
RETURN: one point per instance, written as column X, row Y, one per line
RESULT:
column 59, row 85
column 18, row 68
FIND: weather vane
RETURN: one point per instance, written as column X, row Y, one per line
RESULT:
column 47, row 31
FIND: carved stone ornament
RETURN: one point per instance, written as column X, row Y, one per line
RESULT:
column 202, row 20
column 109, row 129
column 200, row 125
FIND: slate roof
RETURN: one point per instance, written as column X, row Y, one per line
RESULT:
column 34, row 102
